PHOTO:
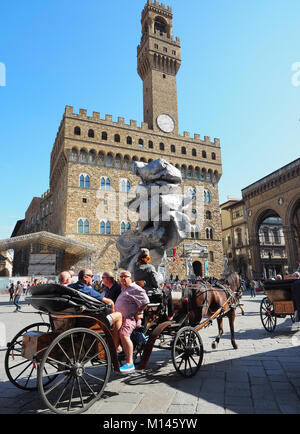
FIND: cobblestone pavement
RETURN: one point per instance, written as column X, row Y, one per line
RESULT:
column 262, row 376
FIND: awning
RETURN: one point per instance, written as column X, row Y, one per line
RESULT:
column 48, row 239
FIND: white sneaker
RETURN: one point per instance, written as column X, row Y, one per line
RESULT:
column 295, row 326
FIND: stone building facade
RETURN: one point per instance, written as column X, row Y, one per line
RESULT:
column 92, row 156
column 273, row 215
column 235, row 237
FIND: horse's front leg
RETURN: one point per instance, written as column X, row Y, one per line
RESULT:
column 231, row 317
column 220, row 328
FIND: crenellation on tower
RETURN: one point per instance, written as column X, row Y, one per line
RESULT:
column 133, row 124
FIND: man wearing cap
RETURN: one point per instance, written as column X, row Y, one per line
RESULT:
column 111, row 287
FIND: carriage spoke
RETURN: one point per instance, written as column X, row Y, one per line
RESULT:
column 62, row 393
column 71, row 396
column 80, row 392
column 56, row 385
column 29, row 376
column 93, row 376
column 64, row 352
column 81, row 346
column 87, row 384
column 82, row 361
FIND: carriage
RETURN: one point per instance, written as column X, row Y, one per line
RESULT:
column 277, row 304
column 69, row 358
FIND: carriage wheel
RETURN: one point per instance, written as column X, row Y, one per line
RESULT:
column 81, row 362
column 267, row 315
column 23, row 372
column 187, row 352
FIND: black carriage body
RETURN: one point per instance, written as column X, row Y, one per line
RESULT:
column 55, row 298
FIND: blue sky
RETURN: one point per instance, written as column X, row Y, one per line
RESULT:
column 235, row 82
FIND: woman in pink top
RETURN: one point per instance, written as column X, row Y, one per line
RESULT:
column 130, row 303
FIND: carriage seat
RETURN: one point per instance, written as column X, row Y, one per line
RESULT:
column 55, row 298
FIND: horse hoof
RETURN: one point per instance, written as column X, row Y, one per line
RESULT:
column 214, row 345
column 235, row 347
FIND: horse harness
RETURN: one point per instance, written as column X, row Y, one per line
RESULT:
column 231, row 298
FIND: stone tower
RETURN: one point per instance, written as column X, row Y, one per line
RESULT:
column 159, row 60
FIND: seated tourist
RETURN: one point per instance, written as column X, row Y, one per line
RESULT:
column 85, row 278
column 131, row 303
column 64, row 278
column 111, row 287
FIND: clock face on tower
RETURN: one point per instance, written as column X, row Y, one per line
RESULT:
column 165, row 123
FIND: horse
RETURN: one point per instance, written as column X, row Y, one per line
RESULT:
column 206, row 299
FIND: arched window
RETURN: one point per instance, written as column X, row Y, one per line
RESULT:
column 105, row 183
column 91, row 133
column 173, row 149
column 206, row 196
column 86, row 227
column 123, row 228
column 107, row 228
column 194, row 153
column 126, row 162
column 84, row 181
column 150, row 144
column 83, row 156
column 209, row 233
column 125, row 186
column 141, row 143
column 92, row 157
column 80, row 226
column 129, row 140
column 193, row 192
column 100, row 161
column 109, row 160
column 183, row 150
column 74, row 155
column 102, row 227
column 162, row 146
column 160, row 26
column 203, row 154
column 190, row 172
column 104, row 135
column 197, row 173
column 213, row 156
column 117, row 138
column 208, row 215
column 118, row 161
column 77, row 131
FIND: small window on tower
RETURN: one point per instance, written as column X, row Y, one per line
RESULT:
column 156, row 46
column 165, row 50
